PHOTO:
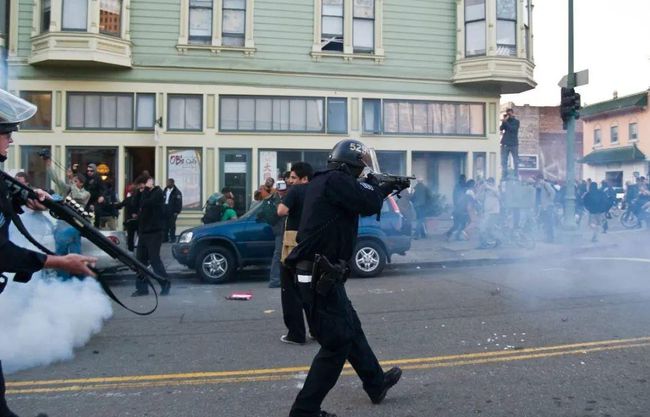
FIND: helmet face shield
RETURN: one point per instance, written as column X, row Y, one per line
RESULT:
column 14, row 109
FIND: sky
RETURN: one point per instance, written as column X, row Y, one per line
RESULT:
column 611, row 40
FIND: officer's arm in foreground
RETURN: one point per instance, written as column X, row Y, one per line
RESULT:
column 354, row 196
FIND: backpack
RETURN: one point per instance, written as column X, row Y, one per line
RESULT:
column 214, row 209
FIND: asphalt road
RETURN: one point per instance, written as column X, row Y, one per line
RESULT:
column 559, row 337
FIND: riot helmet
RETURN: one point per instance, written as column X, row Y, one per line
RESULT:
column 13, row 110
column 352, row 153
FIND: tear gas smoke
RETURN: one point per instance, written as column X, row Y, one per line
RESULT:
column 44, row 320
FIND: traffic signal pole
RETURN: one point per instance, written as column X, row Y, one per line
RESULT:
column 570, row 196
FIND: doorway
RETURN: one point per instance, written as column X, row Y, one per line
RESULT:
column 236, row 175
column 138, row 160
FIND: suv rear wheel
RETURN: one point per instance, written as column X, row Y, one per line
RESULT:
column 216, row 264
column 369, row 259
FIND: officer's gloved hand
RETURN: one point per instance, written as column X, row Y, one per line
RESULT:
column 385, row 187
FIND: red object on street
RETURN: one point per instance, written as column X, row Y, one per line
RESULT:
column 240, row 296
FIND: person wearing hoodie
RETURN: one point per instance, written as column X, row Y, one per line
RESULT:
column 597, row 204
column 151, row 223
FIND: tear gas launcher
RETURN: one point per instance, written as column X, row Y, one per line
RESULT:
column 75, row 215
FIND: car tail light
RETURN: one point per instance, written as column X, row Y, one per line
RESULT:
column 114, row 239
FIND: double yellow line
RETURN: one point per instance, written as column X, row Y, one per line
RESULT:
column 279, row 374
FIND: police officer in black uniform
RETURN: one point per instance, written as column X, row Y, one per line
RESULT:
column 21, row 261
column 326, row 237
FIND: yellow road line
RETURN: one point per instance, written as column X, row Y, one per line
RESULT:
column 277, row 374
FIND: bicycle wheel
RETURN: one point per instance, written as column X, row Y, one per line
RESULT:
column 629, row 220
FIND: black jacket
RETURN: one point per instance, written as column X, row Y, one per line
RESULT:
column 130, row 205
column 330, row 216
column 151, row 215
column 14, row 258
column 596, row 202
column 175, row 200
column 510, row 129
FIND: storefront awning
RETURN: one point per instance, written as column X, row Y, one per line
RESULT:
column 620, row 154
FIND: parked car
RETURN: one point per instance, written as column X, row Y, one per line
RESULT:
column 42, row 228
column 216, row 251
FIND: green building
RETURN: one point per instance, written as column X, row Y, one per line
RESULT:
column 221, row 93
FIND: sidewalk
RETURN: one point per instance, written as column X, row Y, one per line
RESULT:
column 435, row 251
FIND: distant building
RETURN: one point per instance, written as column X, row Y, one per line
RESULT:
column 542, row 142
column 617, row 139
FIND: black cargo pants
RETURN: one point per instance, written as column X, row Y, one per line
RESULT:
column 338, row 330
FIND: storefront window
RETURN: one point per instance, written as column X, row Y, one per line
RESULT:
column 42, row 120
column 104, row 158
column 392, row 162
column 184, row 166
column 275, row 163
column 34, row 166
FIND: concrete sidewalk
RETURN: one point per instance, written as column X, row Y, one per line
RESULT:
column 436, row 251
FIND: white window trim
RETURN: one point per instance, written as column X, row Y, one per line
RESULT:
column 491, row 31
column 348, row 53
column 92, row 26
column 216, row 45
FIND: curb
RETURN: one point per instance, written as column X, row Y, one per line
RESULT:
column 460, row 263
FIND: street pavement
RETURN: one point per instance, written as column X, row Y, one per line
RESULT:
column 551, row 336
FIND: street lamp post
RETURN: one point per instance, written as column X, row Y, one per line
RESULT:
column 570, row 198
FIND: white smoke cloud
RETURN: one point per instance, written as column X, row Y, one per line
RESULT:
column 44, row 320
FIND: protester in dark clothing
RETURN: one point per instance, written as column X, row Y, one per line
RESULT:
column 422, row 201
column 106, row 210
column 597, row 204
column 580, row 191
column 130, row 205
column 464, row 198
column 509, row 142
column 292, row 301
column 173, row 207
column 150, row 232
column 95, row 187
column 328, row 227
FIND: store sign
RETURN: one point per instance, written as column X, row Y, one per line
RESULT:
column 184, row 166
column 528, row 162
column 268, row 165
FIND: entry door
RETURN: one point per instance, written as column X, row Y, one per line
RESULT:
column 235, row 173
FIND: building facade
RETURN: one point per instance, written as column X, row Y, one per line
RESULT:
column 221, row 93
column 617, row 139
column 542, row 142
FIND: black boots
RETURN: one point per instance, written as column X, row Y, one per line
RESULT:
column 390, row 378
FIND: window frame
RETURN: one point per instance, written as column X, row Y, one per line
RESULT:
column 234, row 35
column 200, row 40
column 613, row 132
column 137, row 113
column 327, row 120
column 633, row 127
column 215, row 43
column 349, row 53
column 598, row 137
column 117, row 34
column 22, row 95
column 466, row 22
column 354, row 20
column 325, row 106
column 512, row 47
column 64, row 29
column 432, row 133
column 100, row 94
column 185, row 96
column 42, row 22
column 323, row 34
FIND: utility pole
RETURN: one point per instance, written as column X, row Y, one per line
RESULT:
column 570, row 197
